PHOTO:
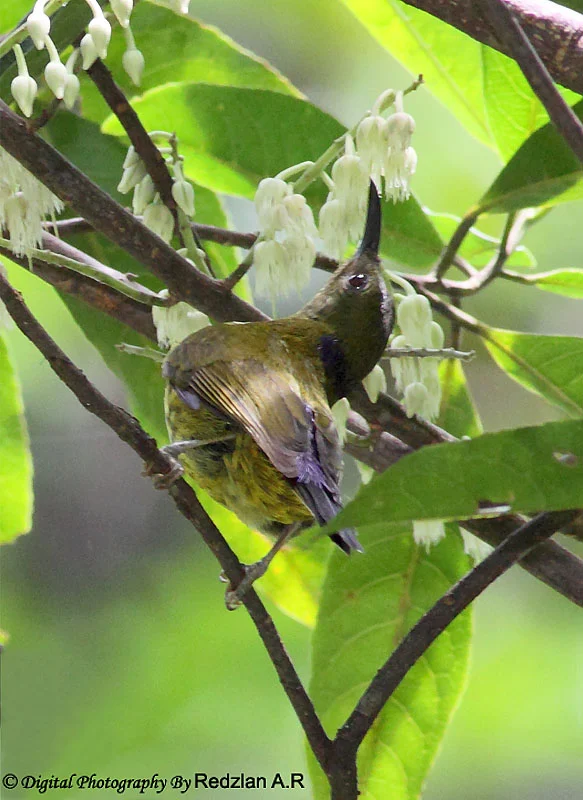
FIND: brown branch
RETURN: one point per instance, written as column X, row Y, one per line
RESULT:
column 137, row 134
column 523, row 540
column 517, row 44
column 117, row 224
column 555, row 31
column 95, row 294
column 129, row 431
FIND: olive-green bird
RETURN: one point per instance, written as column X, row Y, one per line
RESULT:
column 248, row 404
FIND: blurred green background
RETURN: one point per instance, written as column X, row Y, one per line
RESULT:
column 121, row 659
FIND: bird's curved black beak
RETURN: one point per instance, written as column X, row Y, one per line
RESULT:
column 372, row 231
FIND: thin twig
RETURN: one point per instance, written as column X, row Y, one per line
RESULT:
column 130, row 431
column 428, row 352
column 511, row 35
column 434, row 621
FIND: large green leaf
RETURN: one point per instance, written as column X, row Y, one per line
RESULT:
column 233, row 137
column 514, row 112
column 451, row 62
column 176, row 49
column 551, row 366
column 528, row 470
column 16, row 497
column 544, row 171
column 368, row 604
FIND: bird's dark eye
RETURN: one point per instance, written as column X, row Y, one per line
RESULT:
column 358, row 281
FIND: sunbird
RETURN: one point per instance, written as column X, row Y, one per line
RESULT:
column 248, row 404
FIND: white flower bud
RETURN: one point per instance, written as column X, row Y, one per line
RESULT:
column 88, row 51
column 300, row 214
column 122, row 10
column 474, row 547
column 415, row 399
column 269, row 260
column 414, row 319
column 371, row 142
column 56, row 78
column 131, row 157
column 340, row 411
column 131, row 177
column 350, row 178
column 428, row 532
column 174, row 323
column 24, row 90
column 375, row 383
column 38, row 25
column 72, row 89
column 100, row 31
column 400, row 128
column 183, row 194
column 143, row 194
column 437, row 336
column 160, row 220
column 332, row 227
column 133, row 63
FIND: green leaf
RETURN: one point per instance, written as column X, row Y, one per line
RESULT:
column 514, row 112
column 451, row 62
column 368, row 604
column 176, row 49
column 16, row 496
column 568, row 282
column 232, row 137
column 551, row 366
column 544, row 171
column 527, row 469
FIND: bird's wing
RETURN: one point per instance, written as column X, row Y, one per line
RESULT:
column 292, row 424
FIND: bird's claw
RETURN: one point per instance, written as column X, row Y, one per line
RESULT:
column 234, row 596
column 164, row 480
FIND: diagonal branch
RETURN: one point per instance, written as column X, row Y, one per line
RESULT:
column 447, row 608
column 517, row 44
column 129, row 431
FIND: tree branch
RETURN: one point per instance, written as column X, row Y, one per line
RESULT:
column 129, row 431
column 511, row 35
column 434, row 621
column 555, row 30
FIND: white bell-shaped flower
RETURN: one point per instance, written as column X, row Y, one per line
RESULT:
column 38, row 25
column 24, row 90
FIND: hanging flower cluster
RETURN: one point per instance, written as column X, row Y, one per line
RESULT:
column 24, row 204
column 417, row 378
column 174, row 323
column 61, row 78
column 384, row 145
column 342, row 216
column 284, row 255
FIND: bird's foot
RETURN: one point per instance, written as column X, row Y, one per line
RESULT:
column 164, row 480
column 234, row 595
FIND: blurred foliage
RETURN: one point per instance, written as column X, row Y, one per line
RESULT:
column 121, row 659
